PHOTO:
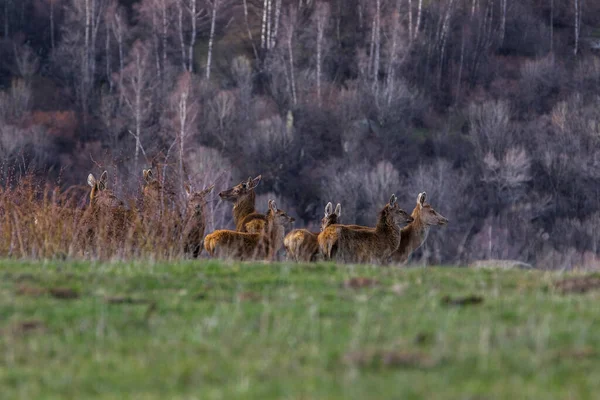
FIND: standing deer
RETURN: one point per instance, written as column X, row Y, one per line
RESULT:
column 194, row 223
column 302, row 245
column 249, row 246
column 154, row 196
column 243, row 198
column 106, row 213
column 368, row 245
column 415, row 234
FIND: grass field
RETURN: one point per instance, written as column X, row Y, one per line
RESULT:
column 207, row 330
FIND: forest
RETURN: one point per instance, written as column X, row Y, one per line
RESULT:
column 490, row 106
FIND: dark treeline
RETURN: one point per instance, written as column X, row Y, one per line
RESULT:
column 490, row 106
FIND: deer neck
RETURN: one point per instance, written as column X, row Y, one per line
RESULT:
column 244, row 207
column 415, row 233
column 389, row 230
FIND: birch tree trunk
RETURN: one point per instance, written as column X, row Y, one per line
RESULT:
column 215, row 4
column 376, row 61
column 263, row 31
column 322, row 16
column 418, row 26
column 194, row 17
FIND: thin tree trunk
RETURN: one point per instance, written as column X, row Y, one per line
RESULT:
column 194, row 16
column 263, row 31
column 52, row 24
column 390, row 76
column 108, row 69
column 165, row 33
column 410, row 21
column 248, row 29
column 419, row 10
column 181, row 39
column 460, row 66
column 377, row 45
column 211, row 37
column 276, row 23
column 552, row 27
column 269, row 2
column 503, row 23
column 577, row 25
column 292, row 77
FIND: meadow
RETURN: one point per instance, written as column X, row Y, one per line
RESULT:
column 207, row 329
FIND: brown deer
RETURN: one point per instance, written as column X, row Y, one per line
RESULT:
column 370, row 245
column 154, row 196
column 243, row 197
column 302, row 245
column 415, row 234
column 249, row 246
column 106, row 213
column 194, row 223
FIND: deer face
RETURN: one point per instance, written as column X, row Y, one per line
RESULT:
column 431, row 217
column 197, row 200
column 278, row 216
column 241, row 190
column 398, row 215
column 428, row 215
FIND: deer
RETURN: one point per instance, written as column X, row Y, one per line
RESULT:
column 105, row 210
column 414, row 234
column 249, row 246
column 194, row 222
column 154, row 195
column 243, row 197
column 302, row 245
column 356, row 244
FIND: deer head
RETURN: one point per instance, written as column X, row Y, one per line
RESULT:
column 279, row 217
column 427, row 214
column 394, row 213
column 330, row 217
column 196, row 200
column 241, row 190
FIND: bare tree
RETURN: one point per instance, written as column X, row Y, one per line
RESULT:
column 136, row 90
column 577, row 4
column 186, row 111
column 321, row 17
column 214, row 5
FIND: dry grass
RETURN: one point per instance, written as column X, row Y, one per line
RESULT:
column 42, row 221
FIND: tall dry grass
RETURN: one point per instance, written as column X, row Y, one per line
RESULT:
column 44, row 221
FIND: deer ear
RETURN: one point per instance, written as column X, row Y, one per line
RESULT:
column 421, row 198
column 104, row 177
column 91, row 180
column 392, row 199
column 188, row 189
column 272, row 205
column 149, row 174
column 328, row 209
column 255, row 181
column 338, row 210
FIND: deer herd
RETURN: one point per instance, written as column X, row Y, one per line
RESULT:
column 259, row 236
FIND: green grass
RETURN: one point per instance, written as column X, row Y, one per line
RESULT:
column 208, row 330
